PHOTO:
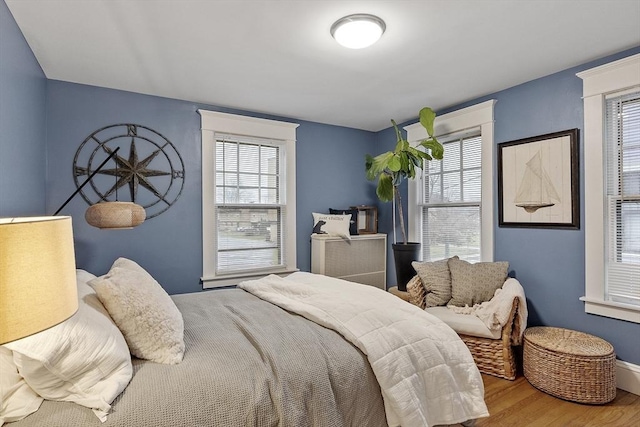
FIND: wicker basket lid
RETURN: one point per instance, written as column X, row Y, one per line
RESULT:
column 568, row 341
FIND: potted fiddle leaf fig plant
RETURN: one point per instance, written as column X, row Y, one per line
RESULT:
column 391, row 169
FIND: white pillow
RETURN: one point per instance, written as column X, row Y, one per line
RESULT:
column 332, row 225
column 147, row 316
column 84, row 359
column 17, row 399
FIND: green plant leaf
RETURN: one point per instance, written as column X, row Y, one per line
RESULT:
column 416, row 157
column 411, row 169
column 368, row 161
column 414, row 152
column 395, row 164
column 437, row 150
column 404, row 161
column 427, row 117
column 376, row 165
column 368, row 165
column 398, row 134
column 401, row 145
column 385, row 188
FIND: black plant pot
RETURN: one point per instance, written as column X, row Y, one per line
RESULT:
column 403, row 255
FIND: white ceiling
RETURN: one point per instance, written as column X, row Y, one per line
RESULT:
column 277, row 56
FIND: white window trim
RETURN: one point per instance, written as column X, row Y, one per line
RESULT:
column 597, row 83
column 214, row 122
column 479, row 115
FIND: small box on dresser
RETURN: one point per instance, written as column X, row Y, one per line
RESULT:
column 363, row 259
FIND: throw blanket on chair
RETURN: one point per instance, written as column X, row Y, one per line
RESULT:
column 426, row 373
column 495, row 312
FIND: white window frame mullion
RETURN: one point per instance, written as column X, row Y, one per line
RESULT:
column 479, row 115
column 461, row 142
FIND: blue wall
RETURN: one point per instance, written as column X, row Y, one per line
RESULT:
column 329, row 162
column 22, row 124
column 549, row 263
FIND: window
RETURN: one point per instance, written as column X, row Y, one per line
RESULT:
column 451, row 201
column 248, row 181
column 622, row 221
column 612, row 189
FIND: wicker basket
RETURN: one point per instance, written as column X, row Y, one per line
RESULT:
column 570, row 365
column 495, row 356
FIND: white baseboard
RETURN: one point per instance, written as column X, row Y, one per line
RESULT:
column 628, row 377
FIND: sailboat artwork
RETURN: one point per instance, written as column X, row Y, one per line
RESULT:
column 536, row 191
column 538, row 181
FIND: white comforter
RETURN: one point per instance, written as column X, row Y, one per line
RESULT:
column 426, row 373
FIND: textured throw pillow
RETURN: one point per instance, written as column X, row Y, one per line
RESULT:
column 17, row 399
column 147, row 316
column 331, row 225
column 436, row 280
column 417, row 292
column 475, row 283
column 84, row 359
column 353, row 222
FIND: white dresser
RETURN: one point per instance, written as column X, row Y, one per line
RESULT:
column 363, row 259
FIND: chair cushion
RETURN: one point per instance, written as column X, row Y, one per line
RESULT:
column 466, row 324
column 417, row 293
column 475, row 283
column 436, row 280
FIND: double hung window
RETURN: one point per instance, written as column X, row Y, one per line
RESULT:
column 611, row 94
column 451, row 201
column 622, row 217
column 248, row 180
column 248, row 204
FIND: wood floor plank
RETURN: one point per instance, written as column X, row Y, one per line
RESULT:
column 519, row 404
column 506, row 396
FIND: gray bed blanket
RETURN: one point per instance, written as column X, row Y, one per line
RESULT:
column 247, row 363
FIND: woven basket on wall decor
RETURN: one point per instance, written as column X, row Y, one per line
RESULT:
column 115, row 215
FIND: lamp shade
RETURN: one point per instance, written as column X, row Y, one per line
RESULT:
column 37, row 275
column 113, row 215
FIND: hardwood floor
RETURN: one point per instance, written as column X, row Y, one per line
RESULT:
column 519, row 404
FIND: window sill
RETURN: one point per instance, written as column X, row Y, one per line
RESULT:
column 614, row 310
column 233, row 279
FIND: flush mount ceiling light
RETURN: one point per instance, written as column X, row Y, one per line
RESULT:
column 358, row 31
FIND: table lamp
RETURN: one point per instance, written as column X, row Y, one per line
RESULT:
column 37, row 275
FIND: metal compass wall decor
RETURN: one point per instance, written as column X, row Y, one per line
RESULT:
column 152, row 170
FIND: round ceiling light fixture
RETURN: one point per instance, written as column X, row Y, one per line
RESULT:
column 358, row 31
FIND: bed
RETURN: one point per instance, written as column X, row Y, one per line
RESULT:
column 249, row 362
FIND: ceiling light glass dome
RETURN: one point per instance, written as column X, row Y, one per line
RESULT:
column 358, row 31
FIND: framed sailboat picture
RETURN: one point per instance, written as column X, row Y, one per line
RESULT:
column 538, row 181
